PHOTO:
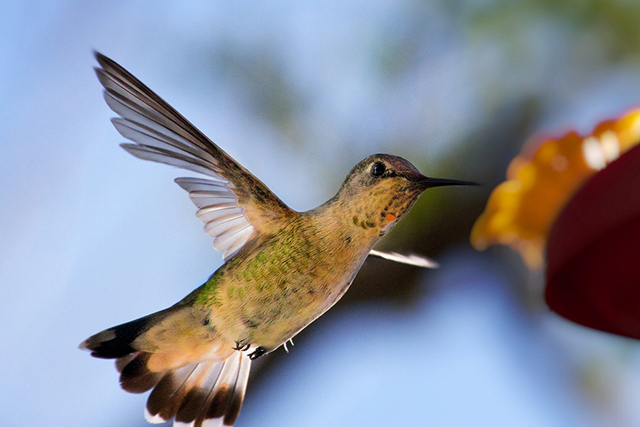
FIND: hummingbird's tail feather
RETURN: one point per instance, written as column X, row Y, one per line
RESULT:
column 115, row 343
column 204, row 394
column 196, row 386
column 135, row 376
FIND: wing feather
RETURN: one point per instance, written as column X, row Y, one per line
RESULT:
column 218, row 209
column 154, row 137
column 234, row 205
column 411, row 259
column 163, row 156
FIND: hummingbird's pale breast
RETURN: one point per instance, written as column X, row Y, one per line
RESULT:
column 266, row 295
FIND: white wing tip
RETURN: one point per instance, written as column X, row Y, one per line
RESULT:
column 411, row 259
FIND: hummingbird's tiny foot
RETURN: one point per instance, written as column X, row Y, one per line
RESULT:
column 257, row 353
column 240, row 346
column 289, row 341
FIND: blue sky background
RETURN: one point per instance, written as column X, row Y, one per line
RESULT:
column 299, row 92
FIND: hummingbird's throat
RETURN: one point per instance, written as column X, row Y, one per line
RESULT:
column 387, row 221
column 385, row 228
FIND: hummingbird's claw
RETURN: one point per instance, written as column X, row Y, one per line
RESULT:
column 257, row 353
column 241, row 347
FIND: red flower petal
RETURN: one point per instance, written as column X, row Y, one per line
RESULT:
column 593, row 251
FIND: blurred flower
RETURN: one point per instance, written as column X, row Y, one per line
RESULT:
column 541, row 180
column 593, row 250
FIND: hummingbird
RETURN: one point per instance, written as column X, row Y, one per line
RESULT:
column 282, row 268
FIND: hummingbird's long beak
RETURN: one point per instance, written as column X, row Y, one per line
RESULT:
column 440, row 182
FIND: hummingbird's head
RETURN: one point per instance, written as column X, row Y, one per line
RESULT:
column 382, row 188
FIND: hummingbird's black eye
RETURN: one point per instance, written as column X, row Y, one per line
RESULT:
column 378, row 169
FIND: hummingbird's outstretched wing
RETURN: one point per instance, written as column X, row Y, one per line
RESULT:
column 412, row 259
column 235, row 205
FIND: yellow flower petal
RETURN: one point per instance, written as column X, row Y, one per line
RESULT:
column 520, row 211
